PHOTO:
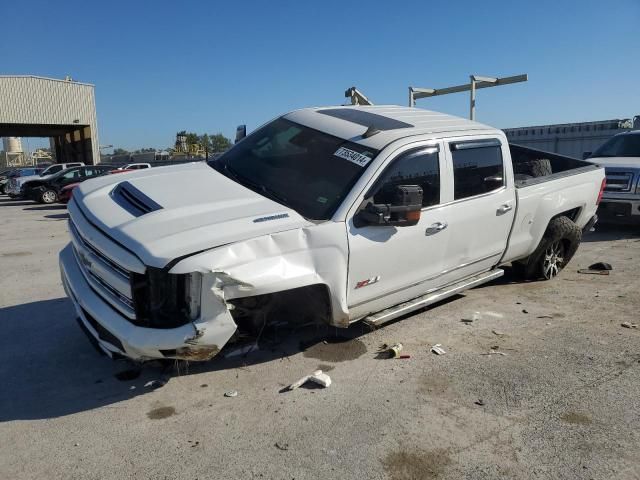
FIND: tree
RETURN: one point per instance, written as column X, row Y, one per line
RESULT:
column 120, row 151
column 192, row 138
column 205, row 142
column 219, row 143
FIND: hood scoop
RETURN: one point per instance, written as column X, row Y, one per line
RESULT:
column 133, row 200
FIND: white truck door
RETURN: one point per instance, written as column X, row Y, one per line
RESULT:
column 387, row 264
column 483, row 207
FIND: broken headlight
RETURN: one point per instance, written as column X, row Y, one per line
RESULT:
column 166, row 300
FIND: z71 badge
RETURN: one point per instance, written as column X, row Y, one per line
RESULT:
column 367, row 282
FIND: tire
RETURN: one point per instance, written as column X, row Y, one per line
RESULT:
column 48, row 196
column 540, row 167
column 558, row 245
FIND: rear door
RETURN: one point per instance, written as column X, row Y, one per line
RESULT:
column 483, row 207
column 388, row 264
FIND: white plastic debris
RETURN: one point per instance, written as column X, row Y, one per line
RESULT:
column 231, row 393
column 629, row 325
column 438, row 350
column 318, row 377
column 241, row 351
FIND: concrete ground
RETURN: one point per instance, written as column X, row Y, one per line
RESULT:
column 563, row 402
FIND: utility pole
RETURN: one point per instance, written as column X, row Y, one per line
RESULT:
column 475, row 82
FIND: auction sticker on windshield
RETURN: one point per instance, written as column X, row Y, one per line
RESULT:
column 353, row 156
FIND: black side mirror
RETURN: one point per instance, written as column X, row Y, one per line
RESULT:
column 403, row 211
column 586, row 155
column 241, row 132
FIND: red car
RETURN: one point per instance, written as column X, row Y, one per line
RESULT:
column 65, row 194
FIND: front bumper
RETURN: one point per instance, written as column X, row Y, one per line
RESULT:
column 116, row 336
column 619, row 211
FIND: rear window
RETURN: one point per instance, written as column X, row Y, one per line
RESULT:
column 477, row 168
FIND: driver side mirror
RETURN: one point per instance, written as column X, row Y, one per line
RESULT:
column 241, row 132
column 403, row 211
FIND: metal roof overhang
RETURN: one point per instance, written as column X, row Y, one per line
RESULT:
column 37, row 130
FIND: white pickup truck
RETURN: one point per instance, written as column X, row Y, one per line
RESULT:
column 334, row 214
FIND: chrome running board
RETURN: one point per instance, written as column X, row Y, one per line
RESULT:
column 396, row 311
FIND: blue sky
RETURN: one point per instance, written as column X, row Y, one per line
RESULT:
column 204, row 66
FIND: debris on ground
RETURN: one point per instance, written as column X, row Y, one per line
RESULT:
column 231, row 393
column 544, row 316
column 473, row 318
column 387, row 351
column 242, row 351
column 154, row 384
column 479, row 402
column 589, row 271
column 438, row 350
column 494, row 352
column 317, row 377
column 498, row 333
column 524, row 310
column 394, row 350
column 404, row 356
column 600, row 266
column 629, row 325
column 281, row 446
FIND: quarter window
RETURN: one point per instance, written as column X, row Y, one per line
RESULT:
column 418, row 167
column 477, row 168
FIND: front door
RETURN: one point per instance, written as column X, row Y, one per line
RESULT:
column 387, row 264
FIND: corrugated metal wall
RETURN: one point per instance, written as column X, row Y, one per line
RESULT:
column 37, row 100
column 572, row 139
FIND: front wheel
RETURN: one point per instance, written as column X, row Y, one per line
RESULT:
column 558, row 245
column 49, row 196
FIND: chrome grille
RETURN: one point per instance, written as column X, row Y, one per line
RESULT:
column 618, row 181
column 107, row 278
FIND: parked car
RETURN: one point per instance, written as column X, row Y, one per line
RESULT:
column 46, row 191
column 620, row 157
column 4, row 174
column 135, row 166
column 14, row 188
column 66, row 192
column 15, row 174
column 131, row 167
column 337, row 215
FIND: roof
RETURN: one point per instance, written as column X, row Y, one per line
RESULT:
column 71, row 82
column 394, row 122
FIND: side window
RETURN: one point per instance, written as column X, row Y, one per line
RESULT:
column 72, row 174
column 88, row 171
column 477, row 167
column 417, row 167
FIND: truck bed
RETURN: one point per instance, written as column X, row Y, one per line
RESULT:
column 548, row 184
column 532, row 166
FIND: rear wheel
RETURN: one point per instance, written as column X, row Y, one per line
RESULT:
column 48, row 196
column 558, row 245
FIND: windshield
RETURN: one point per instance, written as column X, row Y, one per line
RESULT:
column 304, row 169
column 27, row 172
column 620, row 146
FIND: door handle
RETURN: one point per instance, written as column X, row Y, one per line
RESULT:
column 504, row 209
column 435, row 228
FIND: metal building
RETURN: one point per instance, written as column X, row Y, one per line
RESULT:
column 572, row 139
column 63, row 110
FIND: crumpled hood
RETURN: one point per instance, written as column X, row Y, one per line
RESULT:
column 199, row 209
column 22, row 180
column 617, row 162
